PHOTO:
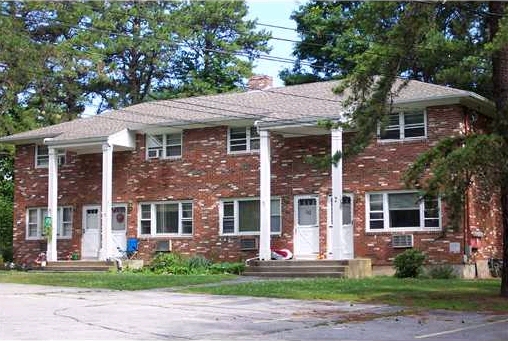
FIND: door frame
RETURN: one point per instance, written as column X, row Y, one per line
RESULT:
column 119, row 239
column 329, row 223
column 83, row 228
column 296, row 228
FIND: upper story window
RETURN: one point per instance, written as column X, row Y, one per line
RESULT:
column 35, row 222
column 242, row 216
column 166, row 218
column 404, row 125
column 404, row 211
column 42, row 156
column 164, row 146
column 243, row 139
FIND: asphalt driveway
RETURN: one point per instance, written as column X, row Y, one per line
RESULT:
column 31, row 312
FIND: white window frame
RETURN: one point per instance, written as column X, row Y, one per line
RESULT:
column 162, row 150
column 41, row 213
column 386, row 214
column 236, row 217
column 153, row 218
column 402, row 126
column 251, row 142
column 42, row 160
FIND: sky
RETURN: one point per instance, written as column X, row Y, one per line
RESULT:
column 275, row 12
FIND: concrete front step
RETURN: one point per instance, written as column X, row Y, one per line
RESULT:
column 297, row 268
column 78, row 265
column 303, row 268
column 293, row 274
column 297, row 263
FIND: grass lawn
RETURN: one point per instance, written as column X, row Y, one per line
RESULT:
column 453, row 294
column 109, row 280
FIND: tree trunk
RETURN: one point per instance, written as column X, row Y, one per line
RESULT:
column 500, row 83
column 504, row 272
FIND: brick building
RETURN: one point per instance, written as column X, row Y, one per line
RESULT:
column 228, row 177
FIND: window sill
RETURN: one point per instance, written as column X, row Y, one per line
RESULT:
column 174, row 158
column 393, row 231
column 408, row 140
column 44, row 239
column 174, row 236
column 249, row 234
column 244, row 152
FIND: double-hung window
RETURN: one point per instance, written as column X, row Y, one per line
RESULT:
column 42, row 156
column 242, row 216
column 404, row 211
column 35, row 222
column 164, row 146
column 243, row 139
column 404, row 125
column 166, row 218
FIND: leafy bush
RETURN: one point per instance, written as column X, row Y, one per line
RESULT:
column 199, row 263
column 444, row 271
column 169, row 263
column 176, row 264
column 409, row 263
column 227, row 268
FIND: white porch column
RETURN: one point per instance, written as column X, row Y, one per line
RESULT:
column 337, row 239
column 107, row 194
column 265, row 195
column 51, row 254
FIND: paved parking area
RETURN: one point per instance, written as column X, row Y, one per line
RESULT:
column 30, row 312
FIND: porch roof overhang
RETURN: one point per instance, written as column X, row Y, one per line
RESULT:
column 467, row 99
column 121, row 140
column 295, row 128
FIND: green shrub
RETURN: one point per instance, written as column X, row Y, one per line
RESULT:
column 176, row 264
column 444, row 271
column 199, row 263
column 169, row 263
column 409, row 263
column 227, row 268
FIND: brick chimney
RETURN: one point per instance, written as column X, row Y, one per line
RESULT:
column 259, row 82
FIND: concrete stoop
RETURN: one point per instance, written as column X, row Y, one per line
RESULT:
column 78, row 265
column 354, row 268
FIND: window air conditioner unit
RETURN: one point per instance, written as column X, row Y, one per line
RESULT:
column 154, row 153
column 402, row 240
column 248, row 244
column 163, row 246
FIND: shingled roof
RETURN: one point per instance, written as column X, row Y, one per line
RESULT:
column 295, row 104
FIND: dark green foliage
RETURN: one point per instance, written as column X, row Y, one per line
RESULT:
column 441, row 43
column 199, row 263
column 455, row 163
column 169, row 263
column 409, row 263
column 177, row 264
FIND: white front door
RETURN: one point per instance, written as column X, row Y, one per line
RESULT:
column 118, row 229
column 306, row 242
column 347, row 245
column 91, row 240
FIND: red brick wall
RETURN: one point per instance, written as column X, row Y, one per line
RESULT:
column 206, row 173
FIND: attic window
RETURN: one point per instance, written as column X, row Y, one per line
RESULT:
column 42, row 156
column 404, row 126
